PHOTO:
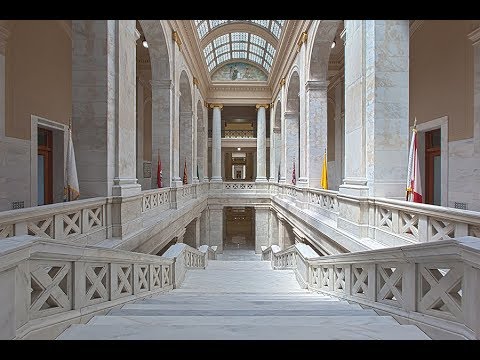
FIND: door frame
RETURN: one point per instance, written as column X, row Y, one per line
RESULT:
column 442, row 124
column 50, row 125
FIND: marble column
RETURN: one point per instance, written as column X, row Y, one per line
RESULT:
column 339, row 135
column 316, row 142
column 104, row 106
column 273, row 228
column 261, row 227
column 216, row 226
column 204, row 228
column 281, row 231
column 186, row 145
column 376, row 107
column 140, row 126
column 275, row 153
column 475, row 38
column 4, row 33
column 162, row 130
column 261, row 143
column 216, row 143
column 301, row 164
column 291, row 146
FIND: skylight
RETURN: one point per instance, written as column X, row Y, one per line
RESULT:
column 205, row 26
column 239, row 45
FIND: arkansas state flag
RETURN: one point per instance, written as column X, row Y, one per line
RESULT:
column 414, row 181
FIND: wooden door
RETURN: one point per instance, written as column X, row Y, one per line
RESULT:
column 45, row 167
column 433, row 179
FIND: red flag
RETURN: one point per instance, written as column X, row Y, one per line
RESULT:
column 185, row 178
column 159, row 172
column 294, row 179
column 414, row 181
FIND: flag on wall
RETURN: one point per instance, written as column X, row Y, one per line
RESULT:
column 159, row 171
column 71, row 190
column 185, row 178
column 414, row 181
column 294, row 179
column 324, row 181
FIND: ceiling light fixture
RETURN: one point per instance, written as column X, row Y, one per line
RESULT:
column 144, row 43
column 239, row 149
column 333, row 44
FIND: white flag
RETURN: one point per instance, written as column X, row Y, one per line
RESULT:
column 71, row 190
column 414, row 181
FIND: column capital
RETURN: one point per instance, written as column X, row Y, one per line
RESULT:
column 215, row 105
column 283, row 81
column 303, row 39
column 258, row 106
column 176, row 38
column 162, row 84
column 4, row 34
column 474, row 36
column 280, row 217
column 195, row 81
column 316, row 85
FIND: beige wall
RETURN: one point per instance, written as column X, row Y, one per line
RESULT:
column 441, row 75
column 38, row 75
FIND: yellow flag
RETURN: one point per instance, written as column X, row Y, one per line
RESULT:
column 324, row 182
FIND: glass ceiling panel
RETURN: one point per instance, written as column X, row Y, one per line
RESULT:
column 239, row 45
column 205, row 26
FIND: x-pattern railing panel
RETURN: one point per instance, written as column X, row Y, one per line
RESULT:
column 359, row 281
column 94, row 217
column 385, row 218
column 441, row 290
column 441, row 229
column 339, row 278
column 71, row 224
column 50, row 284
column 390, row 283
column 42, row 228
column 408, row 224
column 6, row 231
column 96, row 278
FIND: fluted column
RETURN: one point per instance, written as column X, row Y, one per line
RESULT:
column 216, row 143
column 261, row 143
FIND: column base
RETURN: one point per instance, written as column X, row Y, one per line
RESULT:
column 125, row 187
column 302, row 182
column 195, row 180
column 261, row 179
column 216, row 179
column 177, row 182
column 282, row 180
column 353, row 207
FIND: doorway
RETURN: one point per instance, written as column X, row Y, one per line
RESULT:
column 45, row 167
column 433, row 167
column 239, row 228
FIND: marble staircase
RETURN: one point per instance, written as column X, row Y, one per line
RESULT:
column 240, row 300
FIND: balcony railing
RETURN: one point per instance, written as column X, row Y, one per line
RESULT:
column 236, row 134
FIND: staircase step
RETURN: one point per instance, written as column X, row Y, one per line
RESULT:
column 279, row 306
column 239, row 320
column 243, row 332
column 243, row 312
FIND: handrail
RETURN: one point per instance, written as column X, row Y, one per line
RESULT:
column 433, row 285
column 51, row 284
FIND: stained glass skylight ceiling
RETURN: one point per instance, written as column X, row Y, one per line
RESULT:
column 239, row 45
column 205, row 26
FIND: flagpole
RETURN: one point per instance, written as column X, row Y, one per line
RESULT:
column 410, row 159
column 68, row 148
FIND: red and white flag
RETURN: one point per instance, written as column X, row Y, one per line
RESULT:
column 294, row 178
column 159, row 171
column 414, row 181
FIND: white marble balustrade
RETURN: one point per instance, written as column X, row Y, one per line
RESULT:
column 433, row 285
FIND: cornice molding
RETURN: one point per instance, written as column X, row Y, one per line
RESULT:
column 415, row 25
column 474, row 36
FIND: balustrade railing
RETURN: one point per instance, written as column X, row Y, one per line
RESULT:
column 57, row 283
column 434, row 284
column 420, row 222
column 77, row 221
column 238, row 186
